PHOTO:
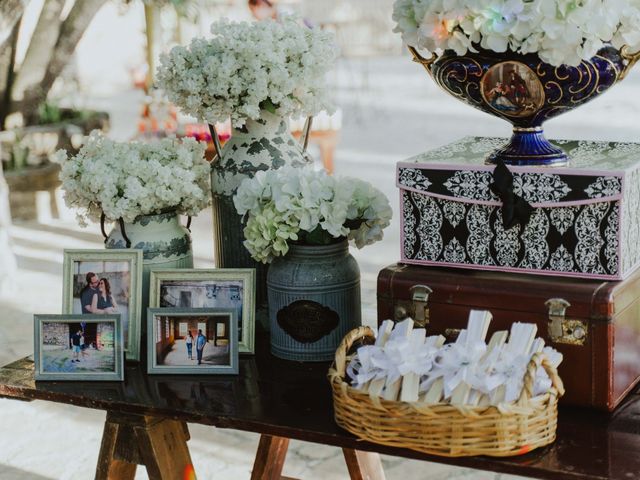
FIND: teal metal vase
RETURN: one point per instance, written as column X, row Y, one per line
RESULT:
column 314, row 301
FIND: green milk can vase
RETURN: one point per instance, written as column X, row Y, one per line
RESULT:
column 314, row 301
column 261, row 144
column 162, row 238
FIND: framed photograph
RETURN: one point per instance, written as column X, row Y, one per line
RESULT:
column 105, row 282
column 192, row 340
column 217, row 288
column 78, row 347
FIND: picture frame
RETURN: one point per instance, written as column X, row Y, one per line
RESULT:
column 210, row 288
column 123, row 270
column 167, row 350
column 62, row 353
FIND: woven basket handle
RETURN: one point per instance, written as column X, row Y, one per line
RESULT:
column 537, row 360
column 345, row 346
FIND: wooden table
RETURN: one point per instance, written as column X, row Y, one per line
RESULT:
column 147, row 417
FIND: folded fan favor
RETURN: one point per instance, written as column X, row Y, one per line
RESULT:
column 404, row 364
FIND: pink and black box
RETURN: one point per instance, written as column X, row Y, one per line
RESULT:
column 582, row 220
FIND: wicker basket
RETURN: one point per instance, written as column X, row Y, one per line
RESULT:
column 443, row 429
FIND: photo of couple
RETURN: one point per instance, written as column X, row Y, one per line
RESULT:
column 199, row 342
column 102, row 288
column 96, row 297
column 192, row 340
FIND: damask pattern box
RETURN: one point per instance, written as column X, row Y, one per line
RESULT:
column 583, row 219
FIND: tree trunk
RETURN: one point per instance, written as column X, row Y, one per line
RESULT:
column 71, row 31
column 7, row 65
column 40, row 49
column 8, row 265
column 10, row 13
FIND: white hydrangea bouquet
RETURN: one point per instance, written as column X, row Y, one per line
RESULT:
column 248, row 67
column 308, row 207
column 126, row 180
column 559, row 31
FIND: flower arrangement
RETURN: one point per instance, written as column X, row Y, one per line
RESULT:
column 126, row 180
column 559, row 31
column 246, row 67
column 308, row 207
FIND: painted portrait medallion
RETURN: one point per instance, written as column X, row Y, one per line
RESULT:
column 512, row 89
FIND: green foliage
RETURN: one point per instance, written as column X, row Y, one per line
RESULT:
column 318, row 236
column 48, row 113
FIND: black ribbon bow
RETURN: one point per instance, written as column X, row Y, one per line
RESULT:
column 515, row 209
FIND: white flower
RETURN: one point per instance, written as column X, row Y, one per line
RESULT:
column 560, row 31
column 126, row 180
column 246, row 67
column 305, row 205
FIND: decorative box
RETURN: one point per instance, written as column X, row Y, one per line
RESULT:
column 585, row 220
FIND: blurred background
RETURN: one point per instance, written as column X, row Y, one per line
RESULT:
column 67, row 67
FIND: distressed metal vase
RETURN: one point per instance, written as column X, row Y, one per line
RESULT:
column 164, row 241
column 261, row 144
column 314, row 300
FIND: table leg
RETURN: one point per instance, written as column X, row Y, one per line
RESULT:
column 363, row 465
column 109, row 466
column 159, row 444
column 270, row 458
column 272, row 452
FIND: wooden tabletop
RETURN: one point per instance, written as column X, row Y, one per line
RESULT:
column 288, row 399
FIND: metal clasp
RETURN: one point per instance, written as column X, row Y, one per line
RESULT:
column 417, row 308
column 561, row 329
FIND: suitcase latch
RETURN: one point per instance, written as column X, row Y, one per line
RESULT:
column 417, row 308
column 561, row 329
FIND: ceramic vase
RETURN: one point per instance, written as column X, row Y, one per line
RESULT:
column 261, row 144
column 162, row 238
column 525, row 91
column 314, row 301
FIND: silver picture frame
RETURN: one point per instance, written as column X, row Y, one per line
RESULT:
column 43, row 372
column 133, row 322
column 162, row 342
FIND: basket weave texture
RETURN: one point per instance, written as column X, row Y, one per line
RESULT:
column 443, row 429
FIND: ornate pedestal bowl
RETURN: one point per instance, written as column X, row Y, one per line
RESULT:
column 525, row 91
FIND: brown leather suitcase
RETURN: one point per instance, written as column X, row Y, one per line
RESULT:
column 594, row 324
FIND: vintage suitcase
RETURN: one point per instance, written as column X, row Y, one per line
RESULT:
column 594, row 324
column 583, row 223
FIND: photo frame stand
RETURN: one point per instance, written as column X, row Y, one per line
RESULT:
column 160, row 444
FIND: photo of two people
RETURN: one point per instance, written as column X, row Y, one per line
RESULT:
column 192, row 341
column 78, row 347
column 102, row 288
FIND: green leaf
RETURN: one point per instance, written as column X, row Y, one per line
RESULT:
column 318, row 236
column 268, row 105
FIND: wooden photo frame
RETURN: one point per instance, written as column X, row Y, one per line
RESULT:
column 192, row 341
column 122, row 270
column 214, row 288
column 78, row 347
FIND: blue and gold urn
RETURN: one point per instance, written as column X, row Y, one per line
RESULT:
column 525, row 91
